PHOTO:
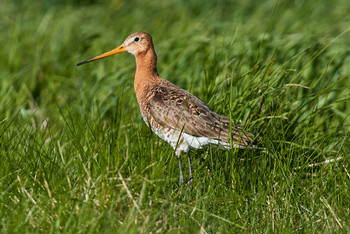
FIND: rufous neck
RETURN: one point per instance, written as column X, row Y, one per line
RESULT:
column 146, row 70
column 146, row 63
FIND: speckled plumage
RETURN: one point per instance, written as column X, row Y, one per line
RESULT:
column 185, row 121
column 174, row 114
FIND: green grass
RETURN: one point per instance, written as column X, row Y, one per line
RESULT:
column 76, row 156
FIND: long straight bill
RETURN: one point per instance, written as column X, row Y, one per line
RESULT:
column 117, row 50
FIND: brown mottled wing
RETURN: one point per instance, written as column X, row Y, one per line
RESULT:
column 176, row 108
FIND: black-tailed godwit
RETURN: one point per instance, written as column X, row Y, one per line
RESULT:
column 175, row 115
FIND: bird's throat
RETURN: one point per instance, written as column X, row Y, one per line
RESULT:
column 146, row 70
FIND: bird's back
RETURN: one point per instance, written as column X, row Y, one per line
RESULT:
column 174, row 111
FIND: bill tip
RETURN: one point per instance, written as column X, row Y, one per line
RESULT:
column 81, row 63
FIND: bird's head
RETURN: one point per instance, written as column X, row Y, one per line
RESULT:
column 137, row 43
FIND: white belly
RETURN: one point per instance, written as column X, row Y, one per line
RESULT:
column 182, row 142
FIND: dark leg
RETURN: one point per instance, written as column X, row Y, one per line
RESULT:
column 181, row 175
column 190, row 178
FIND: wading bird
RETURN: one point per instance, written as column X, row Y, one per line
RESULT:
column 175, row 115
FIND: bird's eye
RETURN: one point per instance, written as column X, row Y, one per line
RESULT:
column 136, row 39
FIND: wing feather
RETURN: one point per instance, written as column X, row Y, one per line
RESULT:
column 176, row 108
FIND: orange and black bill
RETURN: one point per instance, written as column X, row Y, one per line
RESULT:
column 117, row 50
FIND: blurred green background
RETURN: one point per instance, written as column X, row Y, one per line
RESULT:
column 75, row 155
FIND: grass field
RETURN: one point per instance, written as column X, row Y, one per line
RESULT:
column 76, row 156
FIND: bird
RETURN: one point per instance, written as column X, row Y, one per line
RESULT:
column 174, row 114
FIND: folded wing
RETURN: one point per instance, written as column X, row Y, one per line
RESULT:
column 176, row 108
